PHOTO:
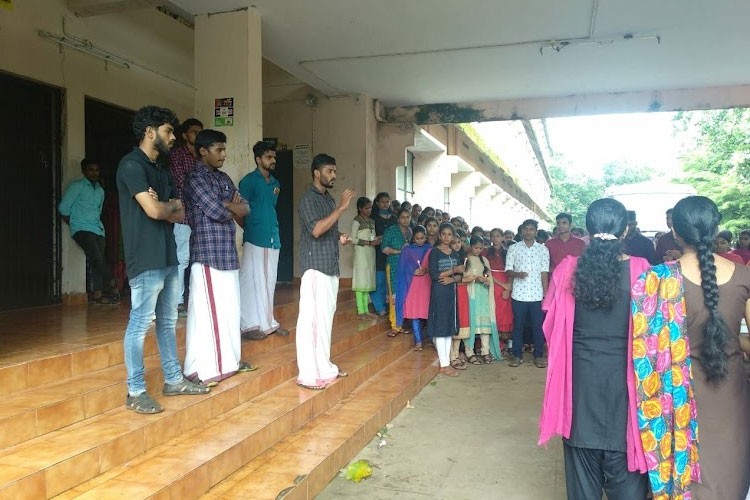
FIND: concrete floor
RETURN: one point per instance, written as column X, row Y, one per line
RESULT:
column 471, row 437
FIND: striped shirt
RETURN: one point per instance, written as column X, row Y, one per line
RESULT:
column 322, row 253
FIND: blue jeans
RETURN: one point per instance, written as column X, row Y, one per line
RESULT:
column 380, row 293
column 522, row 310
column 156, row 290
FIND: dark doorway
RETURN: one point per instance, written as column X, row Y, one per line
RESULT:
column 285, row 213
column 109, row 137
column 30, row 268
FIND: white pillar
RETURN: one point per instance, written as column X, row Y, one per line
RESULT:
column 228, row 63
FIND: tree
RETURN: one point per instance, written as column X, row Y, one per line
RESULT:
column 716, row 160
column 574, row 193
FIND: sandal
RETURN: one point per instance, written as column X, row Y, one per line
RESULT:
column 143, row 404
column 312, row 387
column 253, row 335
column 393, row 332
column 342, row 374
column 418, row 347
column 457, row 364
column 540, row 363
column 103, row 300
column 487, row 359
column 246, row 367
column 474, row 360
column 448, row 372
column 185, row 387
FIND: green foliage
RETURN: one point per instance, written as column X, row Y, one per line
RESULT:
column 716, row 160
column 574, row 193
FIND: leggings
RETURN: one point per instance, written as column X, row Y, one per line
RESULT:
column 443, row 346
column 362, row 302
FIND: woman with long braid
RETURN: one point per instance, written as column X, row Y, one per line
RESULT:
column 694, row 399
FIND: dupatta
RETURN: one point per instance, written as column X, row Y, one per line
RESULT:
column 667, row 415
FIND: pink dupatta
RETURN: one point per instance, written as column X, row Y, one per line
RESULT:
column 557, row 409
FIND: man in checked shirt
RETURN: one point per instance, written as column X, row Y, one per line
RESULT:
column 213, row 205
column 181, row 161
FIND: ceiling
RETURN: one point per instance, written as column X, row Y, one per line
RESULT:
column 440, row 51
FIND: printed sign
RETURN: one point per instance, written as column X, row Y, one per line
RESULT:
column 302, row 156
column 223, row 111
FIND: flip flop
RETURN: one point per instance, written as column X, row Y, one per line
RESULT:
column 312, row 387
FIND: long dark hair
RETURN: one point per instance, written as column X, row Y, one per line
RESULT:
column 473, row 241
column 696, row 220
column 597, row 278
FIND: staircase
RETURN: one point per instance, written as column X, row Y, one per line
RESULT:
column 257, row 435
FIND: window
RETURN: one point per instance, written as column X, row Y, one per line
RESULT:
column 405, row 178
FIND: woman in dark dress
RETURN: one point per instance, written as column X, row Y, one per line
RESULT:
column 717, row 297
column 445, row 271
column 590, row 295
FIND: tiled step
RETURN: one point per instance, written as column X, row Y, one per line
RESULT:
column 300, row 466
column 77, row 356
column 35, row 412
column 118, row 435
column 189, row 464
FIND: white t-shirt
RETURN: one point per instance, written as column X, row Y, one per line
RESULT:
column 533, row 260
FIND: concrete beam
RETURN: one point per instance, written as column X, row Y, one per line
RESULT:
column 572, row 105
column 88, row 8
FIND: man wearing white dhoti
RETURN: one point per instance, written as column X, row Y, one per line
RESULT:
column 319, row 263
column 260, row 248
column 213, row 323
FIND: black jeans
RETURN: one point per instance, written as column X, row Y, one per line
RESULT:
column 93, row 246
column 522, row 310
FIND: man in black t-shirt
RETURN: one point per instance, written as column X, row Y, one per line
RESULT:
column 148, row 209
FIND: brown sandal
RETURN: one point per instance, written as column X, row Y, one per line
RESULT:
column 457, row 364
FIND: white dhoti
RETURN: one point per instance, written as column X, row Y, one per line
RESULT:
column 213, row 324
column 317, row 305
column 257, row 286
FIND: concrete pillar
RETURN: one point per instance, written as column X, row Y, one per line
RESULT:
column 228, row 63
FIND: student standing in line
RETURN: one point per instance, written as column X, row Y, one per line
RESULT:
column 151, row 256
column 495, row 255
column 394, row 240
column 213, row 343
column 384, row 219
column 445, row 272
column 480, row 287
column 364, row 241
column 414, row 283
column 261, row 246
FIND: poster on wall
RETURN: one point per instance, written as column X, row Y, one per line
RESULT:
column 223, row 111
column 302, row 156
column 6, row 4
